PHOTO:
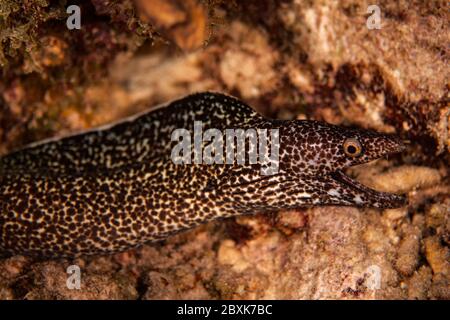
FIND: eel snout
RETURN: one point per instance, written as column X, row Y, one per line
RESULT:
column 362, row 195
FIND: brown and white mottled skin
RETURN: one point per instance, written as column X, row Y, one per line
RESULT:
column 115, row 188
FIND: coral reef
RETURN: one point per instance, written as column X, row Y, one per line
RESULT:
column 288, row 59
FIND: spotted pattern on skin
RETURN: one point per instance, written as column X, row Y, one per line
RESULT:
column 116, row 188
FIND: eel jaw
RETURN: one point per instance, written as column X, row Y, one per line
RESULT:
column 358, row 194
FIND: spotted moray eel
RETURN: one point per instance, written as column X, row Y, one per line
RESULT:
column 116, row 187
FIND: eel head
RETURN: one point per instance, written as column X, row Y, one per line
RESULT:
column 318, row 153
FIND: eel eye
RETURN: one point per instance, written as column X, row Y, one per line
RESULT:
column 352, row 147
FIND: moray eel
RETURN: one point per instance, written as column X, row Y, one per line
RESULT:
column 117, row 187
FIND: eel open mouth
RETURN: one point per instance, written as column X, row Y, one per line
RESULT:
column 361, row 195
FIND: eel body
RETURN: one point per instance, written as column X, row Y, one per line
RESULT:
column 115, row 188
